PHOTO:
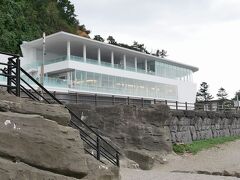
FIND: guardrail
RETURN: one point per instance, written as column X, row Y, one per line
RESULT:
column 103, row 100
column 95, row 145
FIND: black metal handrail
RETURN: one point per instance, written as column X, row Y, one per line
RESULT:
column 10, row 54
column 99, row 145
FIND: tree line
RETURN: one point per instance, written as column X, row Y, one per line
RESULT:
column 203, row 94
column 135, row 46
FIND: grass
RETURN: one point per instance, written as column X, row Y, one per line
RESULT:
column 197, row 146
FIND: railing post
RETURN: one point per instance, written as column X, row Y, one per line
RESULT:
column 95, row 99
column 117, row 159
column 9, row 72
column 18, row 77
column 186, row 106
column 98, row 148
column 142, row 102
column 113, row 100
column 76, row 97
column 176, row 105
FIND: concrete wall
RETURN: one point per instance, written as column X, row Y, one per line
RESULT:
column 188, row 126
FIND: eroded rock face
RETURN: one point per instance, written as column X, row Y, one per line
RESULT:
column 21, row 171
column 54, row 112
column 129, row 127
column 33, row 147
column 40, row 142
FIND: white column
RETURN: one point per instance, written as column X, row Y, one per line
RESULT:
column 69, row 79
column 75, row 77
column 112, row 58
column 99, row 56
column 68, row 50
column 124, row 61
column 84, row 53
column 135, row 63
column 145, row 65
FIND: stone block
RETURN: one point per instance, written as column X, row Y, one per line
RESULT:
column 183, row 124
column 193, row 133
column 198, row 123
column 144, row 160
column 184, row 137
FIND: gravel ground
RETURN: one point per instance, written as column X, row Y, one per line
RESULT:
column 224, row 158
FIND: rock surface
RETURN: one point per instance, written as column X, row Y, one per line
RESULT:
column 54, row 112
column 34, row 145
column 145, row 161
column 40, row 142
column 21, row 171
column 130, row 127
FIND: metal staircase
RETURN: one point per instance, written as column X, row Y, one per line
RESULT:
column 19, row 81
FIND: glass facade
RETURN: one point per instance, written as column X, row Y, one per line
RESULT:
column 103, row 83
column 109, row 84
column 173, row 72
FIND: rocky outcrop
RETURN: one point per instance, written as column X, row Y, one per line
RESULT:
column 22, row 171
column 54, row 112
column 129, row 127
column 188, row 126
column 34, row 146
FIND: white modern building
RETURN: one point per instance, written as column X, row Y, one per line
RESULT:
column 77, row 64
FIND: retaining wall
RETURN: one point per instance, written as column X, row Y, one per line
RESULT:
column 188, row 126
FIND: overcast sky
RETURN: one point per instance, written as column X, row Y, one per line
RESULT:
column 202, row 33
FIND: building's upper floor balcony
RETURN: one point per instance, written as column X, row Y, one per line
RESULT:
column 67, row 47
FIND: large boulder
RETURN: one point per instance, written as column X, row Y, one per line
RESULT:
column 42, row 143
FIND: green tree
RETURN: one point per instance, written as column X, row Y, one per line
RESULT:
column 67, row 11
column 163, row 53
column 222, row 94
column 138, row 47
column 25, row 20
column 237, row 94
column 111, row 40
column 203, row 93
column 98, row 38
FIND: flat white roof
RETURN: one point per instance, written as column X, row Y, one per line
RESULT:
column 60, row 37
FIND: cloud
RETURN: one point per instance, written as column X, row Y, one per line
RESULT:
column 204, row 33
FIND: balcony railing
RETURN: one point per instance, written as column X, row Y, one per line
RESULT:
column 37, row 64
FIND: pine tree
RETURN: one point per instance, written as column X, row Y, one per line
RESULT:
column 222, row 94
column 203, row 94
column 98, row 38
column 111, row 40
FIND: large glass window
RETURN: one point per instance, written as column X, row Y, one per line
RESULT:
column 173, row 72
column 123, row 86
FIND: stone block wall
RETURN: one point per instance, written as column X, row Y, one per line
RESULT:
column 188, row 126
